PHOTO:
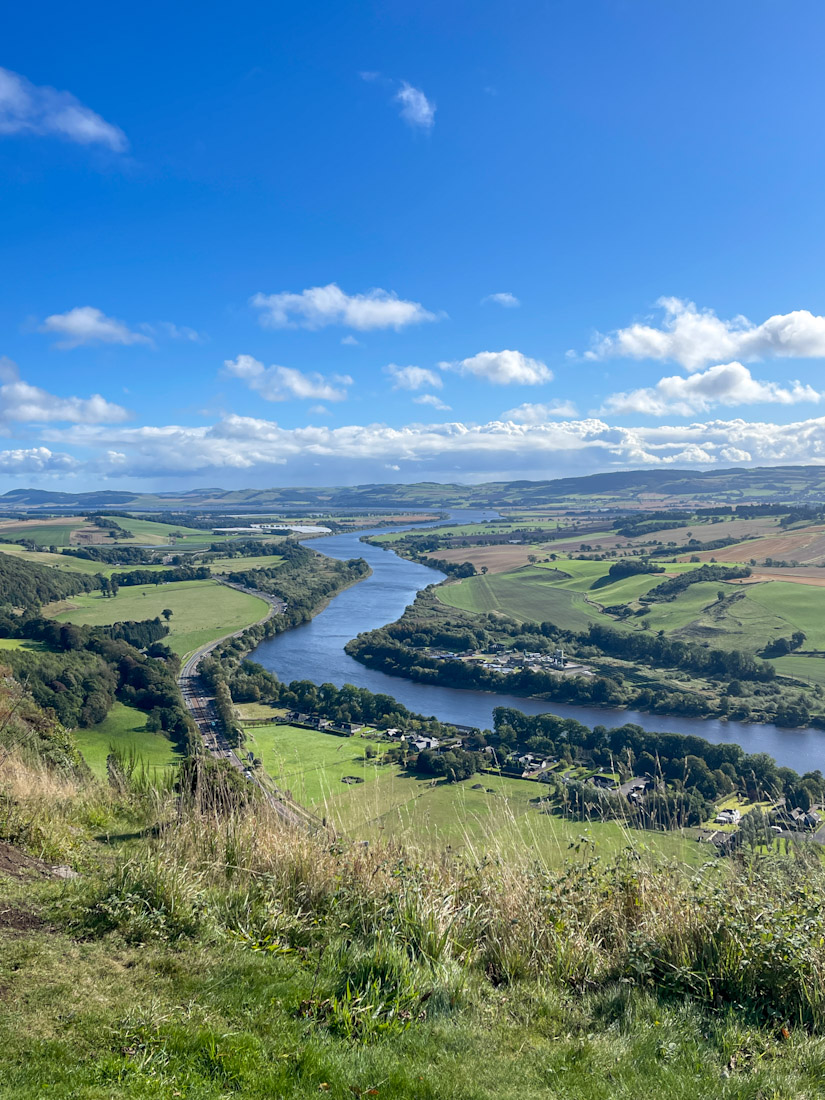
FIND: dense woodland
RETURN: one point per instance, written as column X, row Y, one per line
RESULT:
column 26, row 585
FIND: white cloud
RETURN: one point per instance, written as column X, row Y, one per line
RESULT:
column 540, row 414
column 726, row 384
column 319, row 306
column 282, row 383
column 36, row 460
column 503, row 368
column 432, row 400
column 503, row 298
column 693, row 338
column 26, row 108
column 87, row 325
column 21, row 403
column 413, row 378
column 416, row 109
column 176, row 332
column 349, row 341
column 438, row 451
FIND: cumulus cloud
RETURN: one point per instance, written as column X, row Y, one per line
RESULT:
column 320, row 306
column 416, row 109
column 349, row 341
column 693, row 338
column 282, row 383
column 431, row 400
column 503, row 298
column 36, row 460
column 726, row 384
column 27, row 108
column 87, row 325
column 21, row 403
column 503, row 368
column 413, row 378
column 539, row 414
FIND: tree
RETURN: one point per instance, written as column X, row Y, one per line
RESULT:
column 167, row 613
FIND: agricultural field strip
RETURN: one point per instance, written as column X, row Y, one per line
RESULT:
column 762, row 612
column 198, row 617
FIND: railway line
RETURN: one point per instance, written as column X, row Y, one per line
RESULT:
column 202, row 708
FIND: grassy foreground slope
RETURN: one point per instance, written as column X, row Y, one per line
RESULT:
column 213, row 955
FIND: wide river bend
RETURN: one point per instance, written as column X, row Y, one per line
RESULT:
column 315, row 651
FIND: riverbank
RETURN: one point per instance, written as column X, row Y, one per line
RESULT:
column 315, row 651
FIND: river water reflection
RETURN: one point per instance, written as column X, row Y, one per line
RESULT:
column 315, row 651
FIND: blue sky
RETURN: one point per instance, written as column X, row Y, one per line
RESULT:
column 335, row 243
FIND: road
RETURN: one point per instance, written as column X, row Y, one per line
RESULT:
column 202, row 708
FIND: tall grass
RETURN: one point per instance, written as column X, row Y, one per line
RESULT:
column 747, row 931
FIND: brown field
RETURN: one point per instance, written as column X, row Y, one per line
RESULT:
column 707, row 532
column 806, row 546
column 498, row 559
column 814, row 577
column 60, row 521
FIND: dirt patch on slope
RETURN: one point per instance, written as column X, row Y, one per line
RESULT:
column 13, row 919
column 15, row 862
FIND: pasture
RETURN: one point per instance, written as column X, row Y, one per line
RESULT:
column 202, row 611
column 44, row 532
column 571, row 592
column 526, row 594
column 502, row 817
column 240, row 564
column 124, row 729
column 311, row 764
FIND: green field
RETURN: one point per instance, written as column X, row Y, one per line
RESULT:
column 201, row 610
column 123, row 728
column 502, row 817
column 309, row 763
column 147, row 531
column 570, row 592
column 240, row 565
column 21, row 643
column 44, row 534
column 528, row 593
column 70, row 563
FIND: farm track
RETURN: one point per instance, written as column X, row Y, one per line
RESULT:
column 204, row 713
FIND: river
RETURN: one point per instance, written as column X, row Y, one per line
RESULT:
column 315, row 651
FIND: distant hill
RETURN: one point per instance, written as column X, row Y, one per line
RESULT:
column 794, row 484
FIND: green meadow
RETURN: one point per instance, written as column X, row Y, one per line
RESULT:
column 528, row 593
column 124, row 729
column 239, row 564
column 571, row 592
column 44, row 534
column 201, row 610
column 486, row 815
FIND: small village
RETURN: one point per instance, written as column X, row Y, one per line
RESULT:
column 496, row 658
